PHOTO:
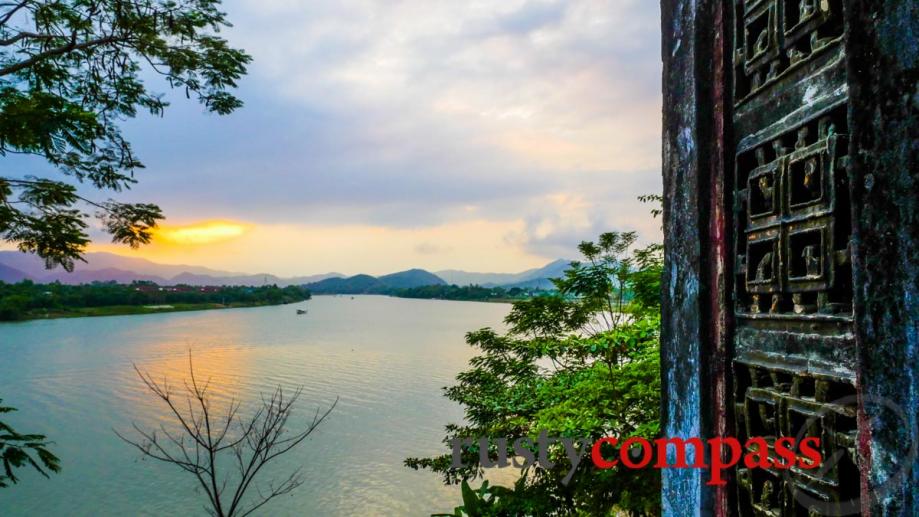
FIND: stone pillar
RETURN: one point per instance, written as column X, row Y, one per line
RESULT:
column 883, row 68
column 685, row 376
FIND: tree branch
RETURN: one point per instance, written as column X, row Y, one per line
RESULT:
column 26, row 35
column 261, row 440
column 11, row 12
column 70, row 47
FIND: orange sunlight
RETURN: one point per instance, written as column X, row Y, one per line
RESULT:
column 207, row 232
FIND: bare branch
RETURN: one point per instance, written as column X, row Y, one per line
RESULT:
column 293, row 481
column 196, row 448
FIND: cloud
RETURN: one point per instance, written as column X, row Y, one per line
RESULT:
column 424, row 114
column 430, row 248
column 557, row 223
column 532, row 16
column 296, row 249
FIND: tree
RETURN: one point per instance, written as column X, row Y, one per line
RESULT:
column 581, row 364
column 16, row 451
column 70, row 72
column 225, row 452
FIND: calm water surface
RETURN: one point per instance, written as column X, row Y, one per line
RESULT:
column 386, row 358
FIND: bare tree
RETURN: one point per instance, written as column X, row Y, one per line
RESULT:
column 223, row 450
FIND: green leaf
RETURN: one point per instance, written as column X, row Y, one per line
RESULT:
column 470, row 500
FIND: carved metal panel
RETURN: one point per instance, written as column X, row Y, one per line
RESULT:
column 793, row 372
column 774, row 37
column 793, row 248
column 780, row 401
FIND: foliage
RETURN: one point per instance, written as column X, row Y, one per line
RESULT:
column 581, row 363
column 220, row 447
column 16, row 451
column 482, row 501
column 466, row 293
column 70, row 72
column 423, row 285
column 26, row 299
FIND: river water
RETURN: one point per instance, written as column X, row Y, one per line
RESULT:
column 386, row 359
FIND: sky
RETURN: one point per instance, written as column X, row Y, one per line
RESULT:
column 380, row 135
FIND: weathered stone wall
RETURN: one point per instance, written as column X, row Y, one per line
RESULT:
column 883, row 67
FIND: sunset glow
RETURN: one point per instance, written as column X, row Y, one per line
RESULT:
column 200, row 233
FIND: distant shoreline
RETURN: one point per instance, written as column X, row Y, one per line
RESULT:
column 387, row 295
column 131, row 310
column 30, row 301
column 490, row 300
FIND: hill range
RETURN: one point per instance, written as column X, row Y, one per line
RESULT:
column 109, row 267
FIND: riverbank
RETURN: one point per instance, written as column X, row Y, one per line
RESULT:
column 488, row 300
column 126, row 310
column 391, row 295
column 468, row 293
column 28, row 301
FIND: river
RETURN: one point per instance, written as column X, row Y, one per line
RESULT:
column 386, row 359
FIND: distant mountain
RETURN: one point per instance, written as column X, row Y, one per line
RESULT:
column 11, row 275
column 411, row 278
column 256, row 280
column 536, row 283
column 198, row 279
column 538, row 277
column 110, row 274
column 458, row 277
column 109, row 267
column 301, row 280
column 35, row 266
column 366, row 284
column 357, row 284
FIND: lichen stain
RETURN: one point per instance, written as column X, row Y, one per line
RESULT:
column 810, row 94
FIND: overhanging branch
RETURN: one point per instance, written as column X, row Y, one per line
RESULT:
column 57, row 51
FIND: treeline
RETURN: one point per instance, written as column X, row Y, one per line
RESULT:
column 27, row 299
column 466, row 293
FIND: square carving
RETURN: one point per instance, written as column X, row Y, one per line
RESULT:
column 761, row 408
column 790, row 244
column 807, row 176
column 761, row 35
column 763, row 265
column 809, row 259
column 763, row 187
column 807, row 254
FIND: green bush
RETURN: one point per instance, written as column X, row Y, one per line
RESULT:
column 582, row 363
